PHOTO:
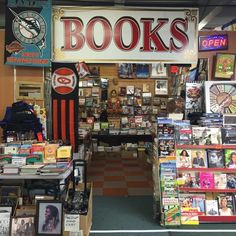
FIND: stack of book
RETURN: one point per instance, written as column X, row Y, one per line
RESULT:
column 10, row 169
column 30, row 169
column 54, row 168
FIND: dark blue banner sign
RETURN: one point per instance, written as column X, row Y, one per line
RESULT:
column 28, row 33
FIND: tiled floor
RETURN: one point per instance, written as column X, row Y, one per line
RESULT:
column 115, row 176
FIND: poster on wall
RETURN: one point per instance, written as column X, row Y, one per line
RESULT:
column 28, row 33
column 65, row 103
column 221, row 97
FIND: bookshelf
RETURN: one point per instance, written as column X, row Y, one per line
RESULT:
column 210, row 193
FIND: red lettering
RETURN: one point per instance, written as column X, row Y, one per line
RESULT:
column 106, row 37
column 178, row 34
column 204, row 43
column 151, row 35
column 73, row 38
column 217, row 43
column 135, row 34
column 211, row 42
column 223, row 42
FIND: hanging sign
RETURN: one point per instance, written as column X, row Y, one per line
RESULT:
column 28, row 33
column 65, row 103
column 213, row 42
column 118, row 35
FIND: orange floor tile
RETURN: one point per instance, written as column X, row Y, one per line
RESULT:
column 116, row 176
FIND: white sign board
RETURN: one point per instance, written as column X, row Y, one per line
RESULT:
column 114, row 35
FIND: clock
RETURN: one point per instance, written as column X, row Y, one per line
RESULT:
column 220, row 97
column 29, row 27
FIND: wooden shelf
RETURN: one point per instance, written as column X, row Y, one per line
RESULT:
column 225, row 170
column 217, row 219
column 207, row 190
column 216, row 146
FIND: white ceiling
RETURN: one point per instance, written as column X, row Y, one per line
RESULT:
column 212, row 13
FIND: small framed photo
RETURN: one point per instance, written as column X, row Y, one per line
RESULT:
column 159, row 70
column 224, row 66
column 5, row 216
column 161, row 87
column 127, row 70
column 22, row 226
column 142, row 70
column 27, row 210
column 49, row 218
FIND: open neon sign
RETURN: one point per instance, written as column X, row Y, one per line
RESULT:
column 213, row 42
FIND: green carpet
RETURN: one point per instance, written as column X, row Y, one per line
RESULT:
column 118, row 216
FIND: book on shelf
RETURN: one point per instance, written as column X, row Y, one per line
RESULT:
column 183, row 135
column 228, row 135
column 212, row 208
column 231, row 181
column 170, row 215
column 206, row 180
column 230, row 158
column 226, row 204
column 189, row 216
column 193, row 200
column 183, row 158
column 199, row 158
column 166, row 145
column 215, row 158
column 189, row 179
column 220, row 180
column 206, row 136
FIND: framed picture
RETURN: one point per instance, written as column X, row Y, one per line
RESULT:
column 127, row 70
column 142, row 70
column 161, row 87
column 27, row 210
column 222, row 97
column 29, row 90
column 49, row 217
column 159, row 70
column 22, row 226
column 5, row 216
column 224, row 66
column 203, row 69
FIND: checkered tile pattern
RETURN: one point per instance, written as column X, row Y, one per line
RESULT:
column 115, row 176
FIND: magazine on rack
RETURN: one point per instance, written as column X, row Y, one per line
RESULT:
column 212, row 207
column 220, row 180
column 215, row 158
column 226, row 204
column 206, row 136
column 183, row 158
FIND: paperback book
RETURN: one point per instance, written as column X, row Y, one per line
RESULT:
column 183, row 134
column 206, row 136
column 206, row 180
column 230, row 158
column 226, row 204
column 199, row 158
column 215, row 158
column 220, row 180
column 183, row 158
column 195, row 200
column 212, row 208
column 189, row 216
column 188, row 179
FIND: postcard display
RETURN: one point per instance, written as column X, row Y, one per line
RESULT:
column 197, row 171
